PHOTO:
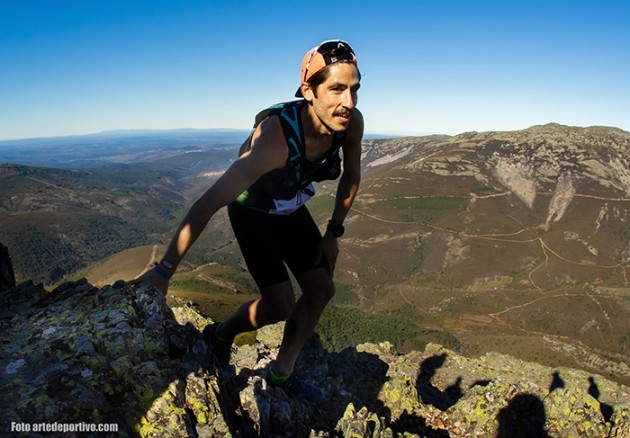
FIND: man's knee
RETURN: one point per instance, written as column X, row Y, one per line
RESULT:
column 322, row 290
column 278, row 303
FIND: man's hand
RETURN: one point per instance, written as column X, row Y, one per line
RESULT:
column 327, row 253
column 153, row 278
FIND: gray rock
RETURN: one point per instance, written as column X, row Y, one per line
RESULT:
column 122, row 356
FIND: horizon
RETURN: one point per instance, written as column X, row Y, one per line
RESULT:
column 367, row 135
column 142, row 131
column 77, row 68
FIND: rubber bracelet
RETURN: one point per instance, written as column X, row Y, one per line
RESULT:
column 157, row 269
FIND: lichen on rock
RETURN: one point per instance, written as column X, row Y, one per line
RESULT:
column 122, row 355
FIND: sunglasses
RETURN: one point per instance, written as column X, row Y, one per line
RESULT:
column 332, row 51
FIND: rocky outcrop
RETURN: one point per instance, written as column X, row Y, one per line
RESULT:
column 7, row 277
column 123, row 357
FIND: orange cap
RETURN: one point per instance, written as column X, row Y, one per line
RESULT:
column 325, row 53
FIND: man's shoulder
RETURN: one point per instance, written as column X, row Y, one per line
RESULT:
column 289, row 104
column 278, row 109
column 268, row 145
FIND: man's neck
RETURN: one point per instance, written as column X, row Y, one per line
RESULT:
column 313, row 126
column 317, row 135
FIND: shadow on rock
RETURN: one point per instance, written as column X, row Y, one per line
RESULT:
column 365, row 396
column 523, row 417
column 431, row 394
column 7, row 276
column 241, row 420
column 416, row 425
column 593, row 390
column 348, row 377
column 556, row 382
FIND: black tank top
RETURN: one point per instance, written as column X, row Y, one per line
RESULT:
column 282, row 191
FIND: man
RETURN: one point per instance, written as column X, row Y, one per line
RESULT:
column 265, row 191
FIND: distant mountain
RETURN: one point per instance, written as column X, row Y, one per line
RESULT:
column 124, row 146
column 130, row 146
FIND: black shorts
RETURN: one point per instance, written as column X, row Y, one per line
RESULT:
column 268, row 241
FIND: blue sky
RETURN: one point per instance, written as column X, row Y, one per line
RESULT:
column 74, row 67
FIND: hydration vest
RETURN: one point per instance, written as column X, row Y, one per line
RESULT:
column 284, row 190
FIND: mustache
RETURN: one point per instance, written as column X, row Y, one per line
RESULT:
column 345, row 114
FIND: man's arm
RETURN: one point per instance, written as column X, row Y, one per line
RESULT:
column 268, row 152
column 351, row 176
column 346, row 190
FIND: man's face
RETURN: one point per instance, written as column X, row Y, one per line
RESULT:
column 336, row 98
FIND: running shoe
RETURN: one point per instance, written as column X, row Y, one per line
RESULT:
column 219, row 347
column 296, row 387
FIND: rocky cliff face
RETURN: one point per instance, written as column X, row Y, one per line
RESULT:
column 121, row 356
column 7, row 277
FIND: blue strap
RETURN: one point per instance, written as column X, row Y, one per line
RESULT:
column 157, row 269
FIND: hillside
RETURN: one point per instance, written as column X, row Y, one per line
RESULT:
column 539, row 208
column 101, row 193
column 513, row 242
column 82, row 216
column 122, row 359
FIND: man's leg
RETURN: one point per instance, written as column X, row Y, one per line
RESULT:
column 275, row 305
column 317, row 290
column 256, row 236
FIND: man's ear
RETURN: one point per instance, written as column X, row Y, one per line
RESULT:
column 307, row 91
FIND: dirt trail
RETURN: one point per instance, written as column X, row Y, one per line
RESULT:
column 545, row 248
column 151, row 260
